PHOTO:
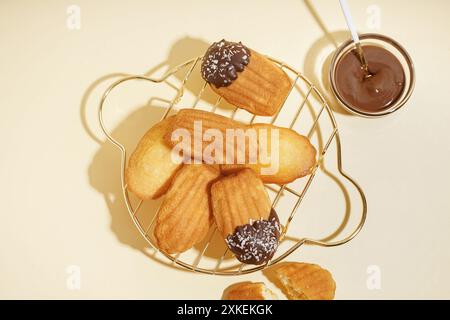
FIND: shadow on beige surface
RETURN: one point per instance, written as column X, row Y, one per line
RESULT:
column 105, row 168
column 321, row 77
column 182, row 50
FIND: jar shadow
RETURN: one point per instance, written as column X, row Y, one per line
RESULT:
column 318, row 59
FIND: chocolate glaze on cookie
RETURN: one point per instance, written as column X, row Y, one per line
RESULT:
column 257, row 241
column 223, row 61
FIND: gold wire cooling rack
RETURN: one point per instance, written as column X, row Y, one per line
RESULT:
column 309, row 92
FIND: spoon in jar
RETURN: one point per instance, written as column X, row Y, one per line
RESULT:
column 359, row 51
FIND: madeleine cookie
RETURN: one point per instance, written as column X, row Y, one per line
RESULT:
column 248, row 291
column 151, row 167
column 245, row 78
column 184, row 217
column 276, row 154
column 243, row 214
column 305, row 281
column 200, row 125
column 287, row 155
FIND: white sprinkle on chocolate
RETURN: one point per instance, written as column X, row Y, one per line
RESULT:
column 257, row 241
column 223, row 61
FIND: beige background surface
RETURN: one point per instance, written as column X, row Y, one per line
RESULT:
column 58, row 183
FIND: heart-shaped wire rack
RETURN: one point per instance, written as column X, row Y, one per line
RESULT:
column 309, row 92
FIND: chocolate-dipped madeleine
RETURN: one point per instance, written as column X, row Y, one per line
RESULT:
column 185, row 214
column 245, row 78
column 292, row 155
column 243, row 214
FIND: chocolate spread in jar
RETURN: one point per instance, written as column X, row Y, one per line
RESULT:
column 377, row 92
column 222, row 61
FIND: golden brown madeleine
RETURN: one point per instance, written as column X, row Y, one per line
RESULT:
column 293, row 159
column 245, row 78
column 185, row 214
column 248, row 291
column 185, row 118
column 150, row 167
column 243, row 214
column 305, row 281
column 238, row 198
column 198, row 122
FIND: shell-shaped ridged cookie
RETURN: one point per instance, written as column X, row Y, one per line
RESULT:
column 261, row 88
column 185, row 119
column 191, row 119
column 151, row 168
column 305, row 281
column 185, row 216
column 237, row 199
